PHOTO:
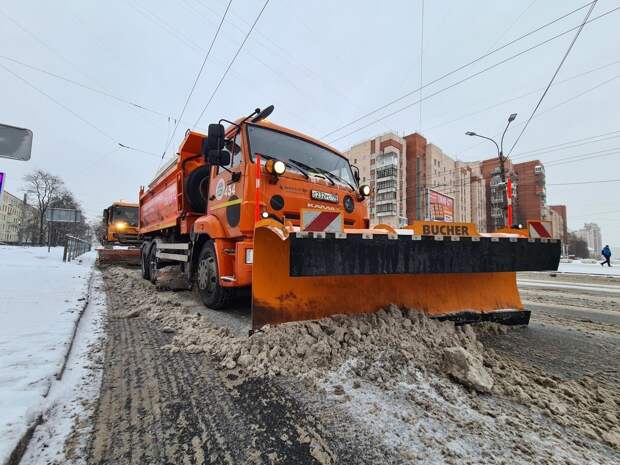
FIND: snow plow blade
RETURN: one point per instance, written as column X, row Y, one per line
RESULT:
column 116, row 256
column 305, row 276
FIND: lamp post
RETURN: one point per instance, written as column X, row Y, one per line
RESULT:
column 502, row 170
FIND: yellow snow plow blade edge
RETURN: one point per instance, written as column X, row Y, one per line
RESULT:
column 278, row 297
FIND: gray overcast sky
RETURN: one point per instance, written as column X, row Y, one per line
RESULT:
column 322, row 64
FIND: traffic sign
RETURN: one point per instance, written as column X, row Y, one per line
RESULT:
column 15, row 143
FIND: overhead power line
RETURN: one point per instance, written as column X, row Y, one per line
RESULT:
column 260, row 13
column 44, row 44
column 600, row 181
column 450, row 73
column 191, row 92
column 76, row 115
column 89, row 88
column 520, row 96
column 570, row 47
column 471, row 76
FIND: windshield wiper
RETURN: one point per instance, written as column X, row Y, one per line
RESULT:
column 335, row 176
column 316, row 170
column 290, row 165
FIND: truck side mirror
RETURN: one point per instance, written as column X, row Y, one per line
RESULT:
column 213, row 147
column 218, row 157
column 105, row 215
column 356, row 173
column 215, row 137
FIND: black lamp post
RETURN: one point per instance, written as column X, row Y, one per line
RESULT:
column 500, row 154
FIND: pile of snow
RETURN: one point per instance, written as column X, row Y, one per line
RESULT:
column 41, row 299
column 429, row 389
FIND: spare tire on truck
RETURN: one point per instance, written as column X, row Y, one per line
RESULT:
column 197, row 188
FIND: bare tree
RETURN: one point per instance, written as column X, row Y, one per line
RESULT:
column 45, row 187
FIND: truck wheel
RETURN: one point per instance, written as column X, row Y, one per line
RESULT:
column 144, row 261
column 152, row 263
column 208, row 280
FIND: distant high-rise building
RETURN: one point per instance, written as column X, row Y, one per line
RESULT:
column 591, row 233
column 383, row 166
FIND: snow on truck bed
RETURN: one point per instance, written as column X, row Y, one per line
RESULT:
column 41, row 298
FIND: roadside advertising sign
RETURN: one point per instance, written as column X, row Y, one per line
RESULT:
column 62, row 215
column 440, row 206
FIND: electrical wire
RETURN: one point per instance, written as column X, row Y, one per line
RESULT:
column 231, row 63
column 191, row 92
column 512, row 99
column 421, row 66
column 87, row 87
column 570, row 47
column 44, row 44
column 471, row 76
column 449, row 73
column 600, row 181
column 76, row 115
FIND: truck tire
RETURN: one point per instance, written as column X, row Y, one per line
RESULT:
column 197, row 188
column 212, row 294
column 144, row 261
column 152, row 263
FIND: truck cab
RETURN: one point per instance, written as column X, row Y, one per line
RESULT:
column 121, row 223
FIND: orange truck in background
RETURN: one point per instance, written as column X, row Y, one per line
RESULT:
column 121, row 223
column 256, row 205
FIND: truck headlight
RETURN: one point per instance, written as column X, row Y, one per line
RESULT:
column 120, row 225
column 275, row 167
column 365, row 190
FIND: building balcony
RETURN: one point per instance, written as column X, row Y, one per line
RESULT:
column 386, row 202
column 386, row 189
column 388, row 213
column 387, row 177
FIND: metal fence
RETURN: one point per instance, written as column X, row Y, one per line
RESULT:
column 74, row 247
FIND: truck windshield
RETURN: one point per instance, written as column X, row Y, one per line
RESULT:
column 126, row 214
column 298, row 153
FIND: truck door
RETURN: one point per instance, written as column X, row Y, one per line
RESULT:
column 226, row 188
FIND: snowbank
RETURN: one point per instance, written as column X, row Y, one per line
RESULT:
column 41, row 299
column 589, row 268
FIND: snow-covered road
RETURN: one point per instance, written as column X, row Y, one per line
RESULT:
column 42, row 297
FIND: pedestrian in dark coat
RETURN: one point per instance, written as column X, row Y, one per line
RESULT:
column 606, row 252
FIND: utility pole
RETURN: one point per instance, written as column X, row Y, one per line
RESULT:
column 507, row 185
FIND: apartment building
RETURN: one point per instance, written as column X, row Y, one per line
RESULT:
column 531, row 191
column 14, row 213
column 591, row 233
column 383, row 166
column 429, row 168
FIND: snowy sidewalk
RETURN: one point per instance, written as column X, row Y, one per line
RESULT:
column 590, row 268
column 41, row 300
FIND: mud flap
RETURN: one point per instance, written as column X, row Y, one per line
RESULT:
column 305, row 276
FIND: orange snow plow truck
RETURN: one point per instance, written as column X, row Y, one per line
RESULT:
column 256, row 205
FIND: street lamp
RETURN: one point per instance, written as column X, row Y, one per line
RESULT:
column 502, row 171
